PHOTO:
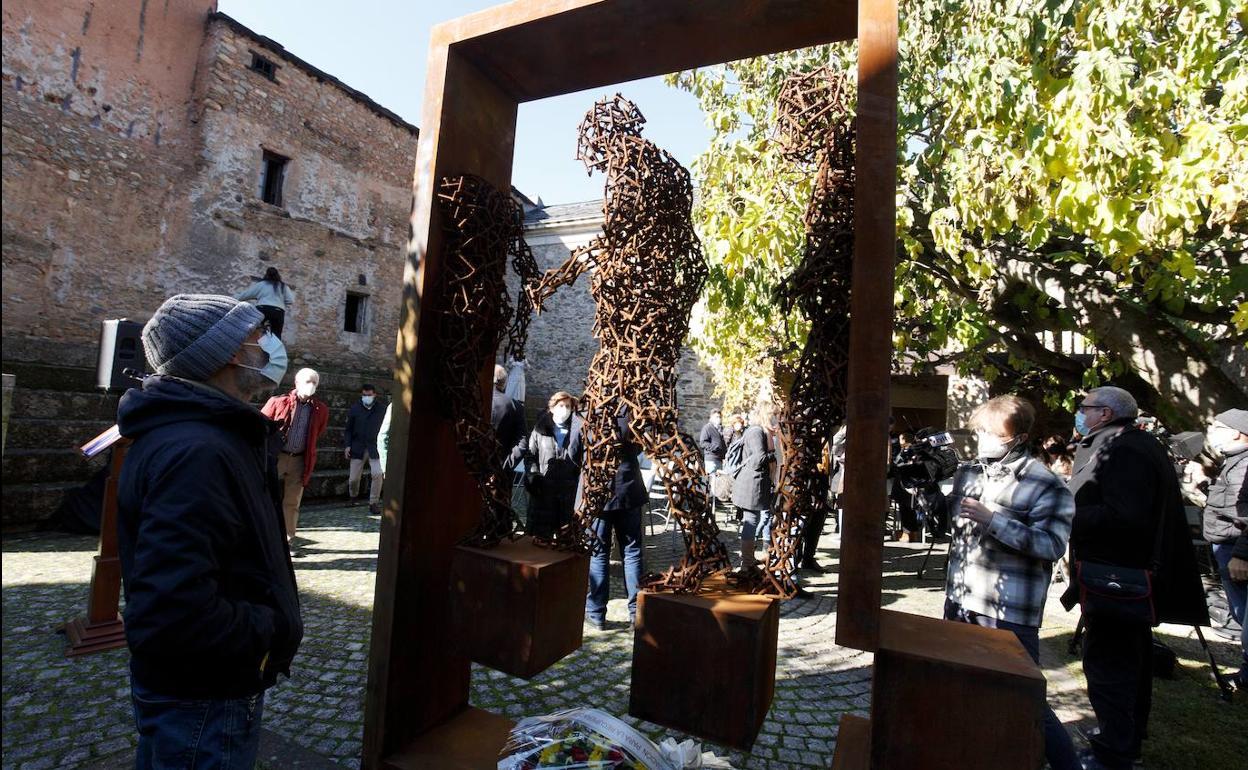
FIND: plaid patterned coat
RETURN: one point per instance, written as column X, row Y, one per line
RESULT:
column 1003, row 569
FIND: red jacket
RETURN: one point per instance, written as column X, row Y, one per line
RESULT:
column 281, row 409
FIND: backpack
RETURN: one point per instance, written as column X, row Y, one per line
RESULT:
column 734, row 458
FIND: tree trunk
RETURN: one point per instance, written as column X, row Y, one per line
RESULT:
column 1189, row 385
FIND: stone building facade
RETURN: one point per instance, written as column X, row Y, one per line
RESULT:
column 151, row 149
column 561, row 341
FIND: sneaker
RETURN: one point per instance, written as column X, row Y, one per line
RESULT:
column 374, row 509
column 599, row 624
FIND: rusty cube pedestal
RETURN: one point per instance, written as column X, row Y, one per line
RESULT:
column 518, row 608
column 981, row 681
column 705, row 663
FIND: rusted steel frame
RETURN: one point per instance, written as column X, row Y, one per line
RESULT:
column 871, row 343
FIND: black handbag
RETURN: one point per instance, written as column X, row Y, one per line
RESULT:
column 1110, row 592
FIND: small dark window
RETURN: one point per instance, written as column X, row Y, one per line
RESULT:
column 271, row 178
column 263, row 65
column 355, row 313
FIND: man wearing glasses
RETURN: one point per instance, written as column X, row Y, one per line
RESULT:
column 1128, row 513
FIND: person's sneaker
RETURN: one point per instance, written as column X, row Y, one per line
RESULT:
column 374, row 509
column 598, row 623
column 810, row 565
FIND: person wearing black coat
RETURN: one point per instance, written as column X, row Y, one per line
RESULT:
column 1128, row 513
column 1226, row 510
column 711, row 439
column 364, row 420
column 620, row 518
column 212, row 611
column 752, row 489
column 553, row 466
column 507, row 419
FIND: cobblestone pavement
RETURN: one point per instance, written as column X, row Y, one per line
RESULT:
column 61, row 713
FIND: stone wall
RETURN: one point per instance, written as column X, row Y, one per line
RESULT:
column 133, row 139
column 561, row 342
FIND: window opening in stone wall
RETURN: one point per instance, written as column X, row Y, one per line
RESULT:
column 271, row 179
column 355, row 313
column 263, row 65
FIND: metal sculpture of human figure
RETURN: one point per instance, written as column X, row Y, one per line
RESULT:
column 814, row 126
column 648, row 272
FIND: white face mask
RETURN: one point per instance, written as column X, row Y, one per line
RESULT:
column 275, row 369
column 1222, row 438
column 368, row 400
column 993, row 447
column 305, row 389
column 560, row 414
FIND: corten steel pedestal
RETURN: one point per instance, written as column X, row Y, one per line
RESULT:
column 518, row 608
column 101, row 628
column 988, row 693
column 705, row 663
column 480, row 67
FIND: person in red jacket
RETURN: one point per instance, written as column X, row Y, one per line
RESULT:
column 302, row 418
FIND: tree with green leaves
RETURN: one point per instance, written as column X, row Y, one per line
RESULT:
column 1064, row 166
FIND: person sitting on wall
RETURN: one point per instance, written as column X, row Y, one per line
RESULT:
column 212, row 614
column 301, row 419
column 1012, row 522
column 272, row 296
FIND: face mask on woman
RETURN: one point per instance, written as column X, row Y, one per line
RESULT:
column 275, row 369
column 560, row 413
column 1222, row 438
column 993, row 447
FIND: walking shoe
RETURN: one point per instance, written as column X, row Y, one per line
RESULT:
column 810, row 565
column 598, row 623
column 374, row 509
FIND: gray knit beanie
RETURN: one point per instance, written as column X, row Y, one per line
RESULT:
column 193, row 335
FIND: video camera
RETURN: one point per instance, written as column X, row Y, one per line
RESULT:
column 927, row 462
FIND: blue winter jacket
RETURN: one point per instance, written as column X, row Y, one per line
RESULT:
column 211, row 605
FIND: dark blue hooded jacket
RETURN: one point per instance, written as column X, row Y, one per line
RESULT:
column 211, row 605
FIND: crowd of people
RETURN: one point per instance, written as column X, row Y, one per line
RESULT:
column 1120, row 511
column 209, row 497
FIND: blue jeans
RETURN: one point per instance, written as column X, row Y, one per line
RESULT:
column 204, row 734
column 755, row 523
column 626, row 525
column 1059, row 750
column 1236, row 595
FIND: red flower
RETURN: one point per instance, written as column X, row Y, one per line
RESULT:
column 579, row 754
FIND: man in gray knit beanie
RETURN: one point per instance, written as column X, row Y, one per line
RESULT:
column 193, row 336
column 212, row 612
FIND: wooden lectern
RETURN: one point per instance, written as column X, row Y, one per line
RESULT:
column 101, row 628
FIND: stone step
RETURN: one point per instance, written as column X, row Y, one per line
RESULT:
column 63, row 405
column 64, row 435
column 33, row 466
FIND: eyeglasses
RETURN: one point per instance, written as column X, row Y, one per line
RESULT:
column 1092, row 406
